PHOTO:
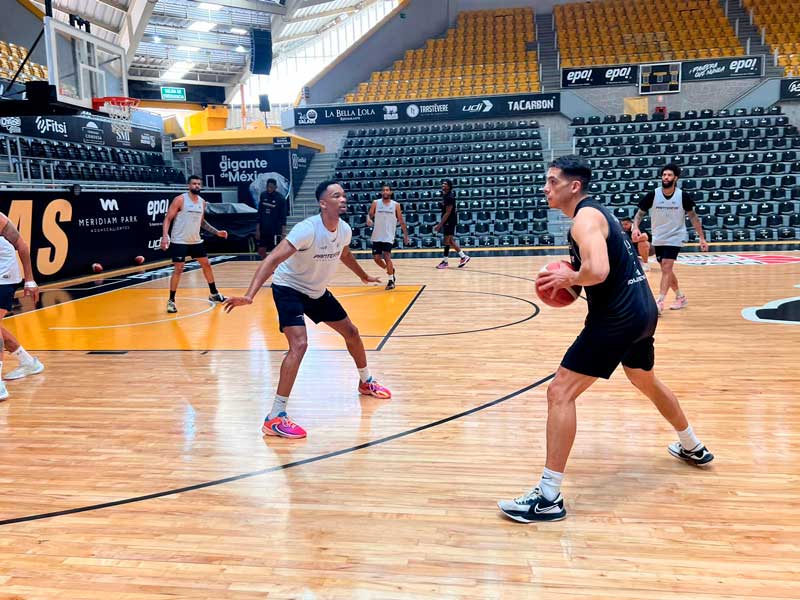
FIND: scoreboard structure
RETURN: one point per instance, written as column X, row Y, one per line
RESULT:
column 660, row 78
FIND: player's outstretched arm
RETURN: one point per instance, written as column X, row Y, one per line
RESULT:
column 351, row 263
column 8, row 231
column 265, row 270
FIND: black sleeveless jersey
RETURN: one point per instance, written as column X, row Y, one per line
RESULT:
column 624, row 300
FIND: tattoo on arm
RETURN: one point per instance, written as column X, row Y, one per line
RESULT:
column 209, row 228
column 638, row 218
column 10, row 232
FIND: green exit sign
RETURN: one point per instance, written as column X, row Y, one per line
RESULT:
column 173, row 93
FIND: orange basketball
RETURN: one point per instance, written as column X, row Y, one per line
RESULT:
column 139, row 260
column 562, row 297
column 97, row 267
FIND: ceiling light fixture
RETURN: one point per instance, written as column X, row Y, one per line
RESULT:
column 177, row 70
column 204, row 26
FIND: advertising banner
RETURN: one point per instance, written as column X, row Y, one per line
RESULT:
column 599, row 76
column 247, row 170
column 82, row 130
column 479, row 107
column 723, row 68
column 790, row 89
column 68, row 233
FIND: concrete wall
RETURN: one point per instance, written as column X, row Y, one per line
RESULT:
column 792, row 110
column 693, row 96
column 377, row 51
column 20, row 26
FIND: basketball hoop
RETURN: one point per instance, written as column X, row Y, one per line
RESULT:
column 119, row 108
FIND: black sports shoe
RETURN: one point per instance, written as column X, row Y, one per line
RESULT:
column 700, row 456
column 390, row 284
column 532, row 507
column 217, row 297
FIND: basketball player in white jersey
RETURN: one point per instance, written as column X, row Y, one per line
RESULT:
column 304, row 263
column 10, row 244
column 383, row 217
column 670, row 206
column 186, row 215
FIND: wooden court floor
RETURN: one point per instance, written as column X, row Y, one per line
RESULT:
column 133, row 467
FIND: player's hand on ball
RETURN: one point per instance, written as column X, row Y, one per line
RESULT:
column 703, row 246
column 552, row 281
column 223, row 234
column 370, row 279
column 232, row 303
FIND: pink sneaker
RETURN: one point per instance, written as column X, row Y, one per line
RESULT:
column 660, row 306
column 283, row 426
column 680, row 302
column 442, row 265
column 463, row 262
column 373, row 388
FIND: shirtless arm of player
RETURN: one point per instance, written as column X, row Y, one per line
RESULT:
column 351, row 263
column 371, row 213
column 8, row 231
column 698, row 227
column 637, row 219
column 265, row 270
column 589, row 231
column 172, row 212
column 402, row 221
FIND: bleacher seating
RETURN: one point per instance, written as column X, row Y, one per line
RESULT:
column 39, row 160
column 11, row 56
column 497, row 169
column 609, row 32
column 780, row 20
column 488, row 52
column 743, row 168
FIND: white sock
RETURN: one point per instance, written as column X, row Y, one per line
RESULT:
column 22, row 356
column 688, row 439
column 1, row 368
column 364, row 375
column 461, row 254
column 661, row 297
column 678, row 294
column 279, row 406
column 550, row 484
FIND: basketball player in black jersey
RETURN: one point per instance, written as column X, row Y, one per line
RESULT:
column 619, row 328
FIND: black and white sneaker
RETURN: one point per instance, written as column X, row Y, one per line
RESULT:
column 217, row 298
column 699, row 456
column 532, row 507
column 390, row 284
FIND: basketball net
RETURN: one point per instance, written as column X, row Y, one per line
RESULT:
column 120, row 109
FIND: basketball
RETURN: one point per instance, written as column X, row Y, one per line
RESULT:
column 563, row 297
column 139, row 260
column 97, row 267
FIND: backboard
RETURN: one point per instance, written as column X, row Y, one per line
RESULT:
column 83, row 66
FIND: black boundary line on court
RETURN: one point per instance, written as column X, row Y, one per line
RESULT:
column 283, row 467
column 399, row 319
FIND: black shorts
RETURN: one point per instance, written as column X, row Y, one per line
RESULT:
column 668, row 252
column 449, row 228
column 181, row 251
column 381, row 247
column 598, row 350
column 7, row 291
column 292, row 305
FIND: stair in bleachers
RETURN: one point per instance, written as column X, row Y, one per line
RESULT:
column 743, row 167
column 548, row 53
column 739, row 17
column 305, row 202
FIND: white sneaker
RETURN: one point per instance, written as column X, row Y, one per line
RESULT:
column 3, row 391
column 21, row 371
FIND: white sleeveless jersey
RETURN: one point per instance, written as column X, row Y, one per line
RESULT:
column 385, row 222
column 668, row 218
column 9, row 267
column 186, row 226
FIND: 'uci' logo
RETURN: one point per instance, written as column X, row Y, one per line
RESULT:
column 109, row 204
